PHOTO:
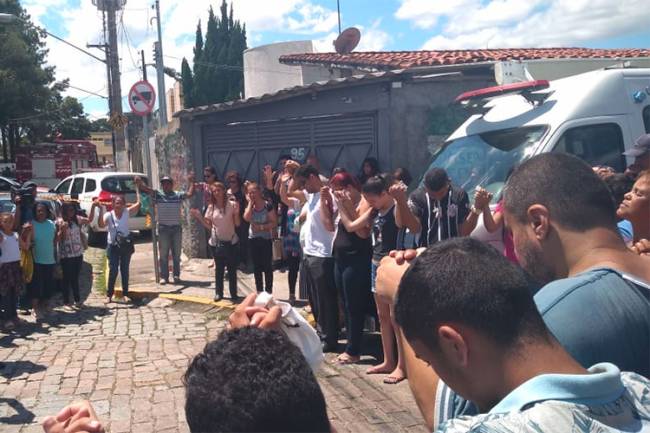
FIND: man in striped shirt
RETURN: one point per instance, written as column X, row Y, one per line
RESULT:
column 170, row 233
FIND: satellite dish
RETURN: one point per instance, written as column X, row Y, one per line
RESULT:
column 347, row 40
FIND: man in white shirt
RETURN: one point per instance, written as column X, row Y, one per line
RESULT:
column 318, row 234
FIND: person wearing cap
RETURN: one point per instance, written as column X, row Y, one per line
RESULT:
column 641, row 154
column 170, row 233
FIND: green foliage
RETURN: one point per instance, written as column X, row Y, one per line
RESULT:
column 32, row 107
column 218, row 61
column 100, row 125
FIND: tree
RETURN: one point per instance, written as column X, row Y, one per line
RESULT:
column 32, row 107
column 187, row 81
column 218, row 60
column 100, row 125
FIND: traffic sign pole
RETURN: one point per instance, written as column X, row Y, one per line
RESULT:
column 138, row 94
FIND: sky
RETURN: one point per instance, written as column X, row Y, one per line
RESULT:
column 384, row 24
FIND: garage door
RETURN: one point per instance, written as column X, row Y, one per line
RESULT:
column 337, row 141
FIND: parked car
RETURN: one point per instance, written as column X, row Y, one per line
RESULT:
column 87, row 187
column 595, row 116
column 6, row 204
column 7, row 183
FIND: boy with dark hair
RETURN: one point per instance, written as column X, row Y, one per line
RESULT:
column 253, row 380
column 469, row 313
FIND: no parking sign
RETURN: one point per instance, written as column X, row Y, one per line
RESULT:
column 142, row 98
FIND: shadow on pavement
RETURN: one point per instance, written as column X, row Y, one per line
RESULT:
column 17, row 368
column 21, row 415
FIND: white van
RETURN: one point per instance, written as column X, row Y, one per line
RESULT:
column 102, row 186
column 595, row 116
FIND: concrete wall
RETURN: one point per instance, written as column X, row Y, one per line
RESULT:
column 263, row 73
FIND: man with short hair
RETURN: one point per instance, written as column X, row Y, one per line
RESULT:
column 318, row 234
column 253, row 380
column 438, row 210
column 564, row 228
column 641, row 154
column 468, row 312
column 170, row 233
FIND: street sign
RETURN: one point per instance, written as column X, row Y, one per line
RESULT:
column 142, row 98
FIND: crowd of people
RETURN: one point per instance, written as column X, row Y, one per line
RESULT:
column 551, row 333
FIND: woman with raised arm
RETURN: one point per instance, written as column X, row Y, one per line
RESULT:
column 263, row 220
column 119, row 245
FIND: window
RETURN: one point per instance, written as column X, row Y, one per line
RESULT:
column 77, row 186
column 91, row 185
column 646, row 118
column 4, row 185
column 64, row 187
column 600, row 144
column 120, row 184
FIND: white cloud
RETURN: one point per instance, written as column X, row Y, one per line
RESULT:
column 517, row 23
column 82, row 23
column 373, row 38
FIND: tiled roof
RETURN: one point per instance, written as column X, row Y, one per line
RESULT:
column 410, row 59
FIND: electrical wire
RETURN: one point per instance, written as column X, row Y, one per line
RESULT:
column 128, row 40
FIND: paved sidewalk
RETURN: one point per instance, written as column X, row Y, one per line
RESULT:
column 129, row 360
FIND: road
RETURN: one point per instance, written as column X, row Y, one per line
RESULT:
column 129, row 360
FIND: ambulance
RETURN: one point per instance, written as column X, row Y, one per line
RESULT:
column 595, row 116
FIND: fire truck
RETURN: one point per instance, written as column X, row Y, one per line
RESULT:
column 48, row 163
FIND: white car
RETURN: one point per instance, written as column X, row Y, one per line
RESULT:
column 87, row 187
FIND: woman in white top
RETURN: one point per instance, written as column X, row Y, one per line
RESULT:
column 11, row 274
column 222, row 219
column 119, row 259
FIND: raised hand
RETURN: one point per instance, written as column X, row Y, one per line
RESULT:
column 398, row 191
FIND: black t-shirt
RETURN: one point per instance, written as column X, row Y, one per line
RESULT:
column 446, row 216
column 384, row 234
column 348, row 244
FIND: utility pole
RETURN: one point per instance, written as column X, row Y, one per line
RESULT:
column 160, row 70
column 147, row 162
column 116, row 118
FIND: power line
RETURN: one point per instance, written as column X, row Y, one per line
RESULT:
column 128, row 40
column 89, row 92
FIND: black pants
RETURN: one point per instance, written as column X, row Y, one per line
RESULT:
column 117, row 262
column 352, row 278
column 8, row 304
column 293, row 264
column 321, row 275
column 226, row 258
column 71, row 269
column 262, row 254
column 42, row 285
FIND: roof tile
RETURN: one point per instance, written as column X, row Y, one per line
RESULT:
column 409, row 59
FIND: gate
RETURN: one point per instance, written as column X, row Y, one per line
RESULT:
column 337, row 140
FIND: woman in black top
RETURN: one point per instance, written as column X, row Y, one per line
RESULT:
column 369, row 168
column 352, row 251
column 381, row 218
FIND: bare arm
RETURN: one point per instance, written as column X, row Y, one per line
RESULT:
column 492, row 221
column 100, row 218
column 248, row 212
column 192, row 186
column 205, row 222
column 326, row 214
column 135, row 207
column 481, row 202
column 25, row 242
column 403, row 215
column 91, row 217
column 358, row 224
column 468, row 226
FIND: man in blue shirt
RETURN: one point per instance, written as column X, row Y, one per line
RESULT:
column 599, row 306
column 469, row 313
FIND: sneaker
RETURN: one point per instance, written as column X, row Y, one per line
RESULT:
column 78, row 304
column 217, row 298
column 292, row 300
column 68, row 308
column 177, row 280
column 164, row 281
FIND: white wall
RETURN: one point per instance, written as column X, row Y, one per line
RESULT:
column 263, row 73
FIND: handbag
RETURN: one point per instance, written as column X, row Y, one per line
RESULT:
column 124, row 243
column 278, row 250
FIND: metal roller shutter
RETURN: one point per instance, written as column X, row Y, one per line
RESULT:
column 338, row 141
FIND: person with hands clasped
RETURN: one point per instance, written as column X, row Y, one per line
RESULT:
column 222, row 219
column 291, row 239
column 11, row 274
column 119, row 245
column 263, row 220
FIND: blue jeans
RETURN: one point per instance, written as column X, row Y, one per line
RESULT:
column 353, row 282
column 170, row 239
column 117, row 262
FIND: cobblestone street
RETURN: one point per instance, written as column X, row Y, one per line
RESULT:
column 129, row 361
